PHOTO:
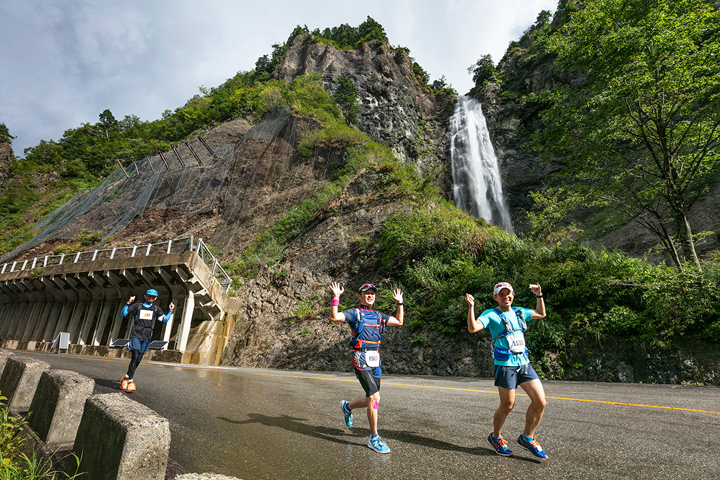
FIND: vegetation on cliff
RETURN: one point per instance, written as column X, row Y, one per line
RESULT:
column 641, row 131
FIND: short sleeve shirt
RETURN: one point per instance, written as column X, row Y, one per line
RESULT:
column 492, row 321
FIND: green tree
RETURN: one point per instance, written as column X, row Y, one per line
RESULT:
column 108, row 122
column 370, row 30
column 482, row 70
column 346, row 98
column 5, row 136
column 639, row 129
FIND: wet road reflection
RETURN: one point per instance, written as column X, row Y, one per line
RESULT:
column 253, row 423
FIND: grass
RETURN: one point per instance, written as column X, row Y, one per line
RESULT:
column 16, row 465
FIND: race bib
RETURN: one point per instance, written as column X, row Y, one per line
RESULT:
column 516, row 342
column 146, row 314
column 372, row 358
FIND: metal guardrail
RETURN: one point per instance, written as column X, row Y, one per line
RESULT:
column 171, row 246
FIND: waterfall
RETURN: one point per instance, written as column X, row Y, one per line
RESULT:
column 476, row 176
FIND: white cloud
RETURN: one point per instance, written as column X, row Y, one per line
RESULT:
column 64, row 62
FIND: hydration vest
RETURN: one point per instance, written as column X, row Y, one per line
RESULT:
column 504, row 354
column 366, row 336
column 508, row 324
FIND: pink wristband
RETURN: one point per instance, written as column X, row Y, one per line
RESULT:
column 335, row 302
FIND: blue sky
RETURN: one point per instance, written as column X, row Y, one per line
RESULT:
column 64, row 62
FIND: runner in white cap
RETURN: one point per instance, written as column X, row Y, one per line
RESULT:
column 507, row 325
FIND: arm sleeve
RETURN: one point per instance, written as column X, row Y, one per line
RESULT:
column 527, row 314
column 165, row 318
column 129, row 309
column 162, row 317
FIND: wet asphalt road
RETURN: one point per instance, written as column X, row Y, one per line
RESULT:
column 257, row 423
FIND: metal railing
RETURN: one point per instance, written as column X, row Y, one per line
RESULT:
column 171, row 246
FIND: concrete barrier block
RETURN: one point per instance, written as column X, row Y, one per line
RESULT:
column 204, row 476
column 121, row 439
column 20, row 380
column 58, row 403
column 4, row 355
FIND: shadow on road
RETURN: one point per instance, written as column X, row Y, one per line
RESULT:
column 103, row 382
column 337, row 435
column 295, row 425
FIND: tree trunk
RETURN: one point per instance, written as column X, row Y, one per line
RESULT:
column 685, row 233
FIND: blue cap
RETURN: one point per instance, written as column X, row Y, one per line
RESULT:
column 152, row 292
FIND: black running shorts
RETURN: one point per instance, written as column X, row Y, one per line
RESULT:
column 370, row 384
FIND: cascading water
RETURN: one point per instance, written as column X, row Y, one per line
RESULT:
column 476, row 175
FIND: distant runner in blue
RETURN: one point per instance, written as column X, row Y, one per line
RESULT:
column 367, row 326
column 143, row 315
column 507, row 325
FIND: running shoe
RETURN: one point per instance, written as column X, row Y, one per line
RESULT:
column 533, row 447
column 124, row 383
column 344, row 406
column 130, row 386
column 378, row 445
column 500, row 446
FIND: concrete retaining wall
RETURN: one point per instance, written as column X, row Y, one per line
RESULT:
column 58, row 405
column 121, row 439
column 114, row 437
column 3, row 359
column 19, row 381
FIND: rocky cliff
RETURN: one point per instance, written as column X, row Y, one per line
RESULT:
column 285, row 320
column 396, row 108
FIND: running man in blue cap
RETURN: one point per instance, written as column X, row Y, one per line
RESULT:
column 367, row 326
column 144, row 315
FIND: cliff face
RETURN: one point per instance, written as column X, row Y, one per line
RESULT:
column 284, row 322
column 395, row 107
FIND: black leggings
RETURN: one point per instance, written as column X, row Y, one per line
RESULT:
column 136, row 357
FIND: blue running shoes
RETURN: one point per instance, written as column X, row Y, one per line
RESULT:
column 346, row 412
column 378, row 445
column 500, row 446
column 533, row 447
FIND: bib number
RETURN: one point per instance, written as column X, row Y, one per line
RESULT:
column 146, row 314
column 516, row 343
column 372, row 358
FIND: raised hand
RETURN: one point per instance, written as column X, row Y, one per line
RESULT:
column 131, row 299
column 398, row 295
column 535, row 289
column 171, row 306
column 336, row 289
column 469, row 299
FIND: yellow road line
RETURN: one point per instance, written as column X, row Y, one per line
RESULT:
column 493, row 392
column 416, row 386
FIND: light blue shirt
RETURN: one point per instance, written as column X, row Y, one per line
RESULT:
column 492, row 321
